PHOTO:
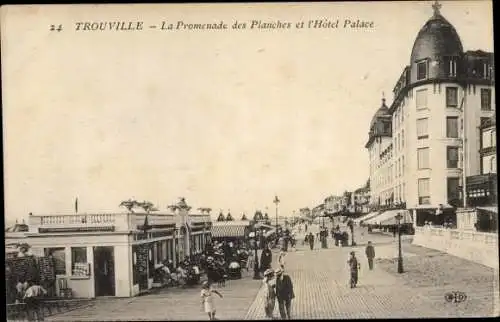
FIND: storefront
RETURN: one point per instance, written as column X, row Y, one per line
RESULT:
column 103, row 254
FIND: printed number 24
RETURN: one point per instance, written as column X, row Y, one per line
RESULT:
column 54, row 28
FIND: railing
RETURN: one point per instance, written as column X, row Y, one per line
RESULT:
column 120, row 221
column 469, row 236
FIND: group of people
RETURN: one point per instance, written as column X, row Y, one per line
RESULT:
column 31, row 293
column 354, row 265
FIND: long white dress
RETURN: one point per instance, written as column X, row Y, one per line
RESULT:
column 208, row 300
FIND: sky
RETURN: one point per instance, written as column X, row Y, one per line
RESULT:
column 227, row 119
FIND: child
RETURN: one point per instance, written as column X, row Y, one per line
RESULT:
column 207, row 299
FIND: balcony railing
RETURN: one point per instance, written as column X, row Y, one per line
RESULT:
column 117, row 221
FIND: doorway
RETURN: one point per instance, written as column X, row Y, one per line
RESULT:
column 104, row 271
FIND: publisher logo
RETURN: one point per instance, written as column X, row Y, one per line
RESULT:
column 455, row 297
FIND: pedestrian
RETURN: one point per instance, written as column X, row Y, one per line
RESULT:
column 353, row 267
column 269, row 292
column 311, row 240
column 207, row 299
column 284, row 293
column 33, row 299
column 266, row 258
column 370, row 254
column 250, row 261
column 281, row 259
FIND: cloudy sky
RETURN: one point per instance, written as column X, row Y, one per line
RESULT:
column 226, row 119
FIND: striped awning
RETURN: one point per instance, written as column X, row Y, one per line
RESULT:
column 228, row 231
column 489, row 209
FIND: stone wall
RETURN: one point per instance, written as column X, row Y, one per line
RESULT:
column 475, row 246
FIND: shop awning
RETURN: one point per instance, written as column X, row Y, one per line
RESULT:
column 220, row 231
column 386, row 217
column 489, row 209
column 407, row 218
column 366, row 217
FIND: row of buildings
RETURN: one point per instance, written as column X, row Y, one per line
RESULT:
column 433, row 148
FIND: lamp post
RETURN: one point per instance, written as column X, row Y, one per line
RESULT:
column 256, row 274
column 276, row 201
column 400, row 256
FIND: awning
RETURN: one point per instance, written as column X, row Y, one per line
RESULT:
column 489, row 209
column 385, row 217
column 228, row 231
column 366, row 217
column 406, row 218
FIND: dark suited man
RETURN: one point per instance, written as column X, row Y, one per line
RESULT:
column 284, row 293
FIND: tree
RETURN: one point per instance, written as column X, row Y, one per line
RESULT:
column 129, row 204
column 244, row 217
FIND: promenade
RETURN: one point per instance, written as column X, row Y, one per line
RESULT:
column 321, row 286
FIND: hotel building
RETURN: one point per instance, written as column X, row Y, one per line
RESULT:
column 427, row 141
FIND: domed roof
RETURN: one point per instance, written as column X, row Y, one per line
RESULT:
column 381, row 112
column 437, row 38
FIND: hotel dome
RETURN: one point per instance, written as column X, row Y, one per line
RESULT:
column 436, row 40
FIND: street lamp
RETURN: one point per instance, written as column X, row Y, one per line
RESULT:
column 276, row 201
column 400, row 256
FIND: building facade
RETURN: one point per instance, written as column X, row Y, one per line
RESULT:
column 115, row 254
column 380, row 150
column 440, row 100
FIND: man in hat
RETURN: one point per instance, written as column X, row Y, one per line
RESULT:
column 284, row 293
column 354, row 267
column 370, row 254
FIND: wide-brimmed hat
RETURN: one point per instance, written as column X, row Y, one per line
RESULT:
column 268, row 272
column 352, row 253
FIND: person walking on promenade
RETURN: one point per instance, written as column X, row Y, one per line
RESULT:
column 284, row 293
column 266, row 258
column 353, row 267
column 269, row 292
column 207, row 299
column 251, row 260
column 310, row 239
column 281, row 259
column 370, row 254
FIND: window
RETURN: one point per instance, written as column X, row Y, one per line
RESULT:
column 402, row 138
column 402, row 112
column 493, row 164
column 423, row 191
column 450, row 66
column 452, row 157
column 451, row 96
column 485, row 99
column 453, row 189
column 422, row 128
column 493, row 138
column 79, row 265
column 452, row 127
column 486, row 140
column 423, row 158
column 59, row 255
column 421, row 99
column 403, row 164
column 422, row 70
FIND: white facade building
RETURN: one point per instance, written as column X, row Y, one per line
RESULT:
column 440, row 100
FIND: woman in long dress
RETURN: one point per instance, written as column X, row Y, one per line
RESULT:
column 270, row 292
column 207, row 299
